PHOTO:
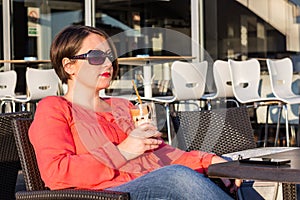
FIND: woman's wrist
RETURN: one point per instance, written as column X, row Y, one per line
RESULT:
column 127, row 155
column 217, row 159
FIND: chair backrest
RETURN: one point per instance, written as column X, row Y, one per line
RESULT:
column 27, row 156
column 8, row 81
column 219, row 131
column 189, row 79
column 281, row 77
column 34, row 184
column 41, row 83
column 9, row 159
column 245, row 76
column 222, row 79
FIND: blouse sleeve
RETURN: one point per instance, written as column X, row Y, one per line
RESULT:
column 197, row 160
column 59, row 164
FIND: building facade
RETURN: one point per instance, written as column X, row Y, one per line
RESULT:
column 205, row 29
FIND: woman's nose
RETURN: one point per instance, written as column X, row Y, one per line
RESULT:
column 107, row 62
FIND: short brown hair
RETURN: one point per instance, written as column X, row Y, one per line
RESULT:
column 68, row 42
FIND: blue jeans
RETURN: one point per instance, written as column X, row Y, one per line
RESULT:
column 173, row 182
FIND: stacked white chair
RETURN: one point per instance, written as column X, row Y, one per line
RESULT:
column 188, row 80
column 281, row 76
column 245, row 77
column 222, row 78
column 8, row 81
column 41, row 83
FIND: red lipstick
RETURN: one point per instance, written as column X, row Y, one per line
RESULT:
column 105, row 74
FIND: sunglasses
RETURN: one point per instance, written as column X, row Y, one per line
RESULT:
column 95, row 57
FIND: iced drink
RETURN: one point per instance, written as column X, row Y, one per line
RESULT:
column 142, row 113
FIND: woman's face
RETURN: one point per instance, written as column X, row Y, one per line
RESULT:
column 93, row 76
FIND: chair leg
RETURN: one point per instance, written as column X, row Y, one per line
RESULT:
column 237, row 104
column 287, row 126
column 13, row 106
column 293, row 134
column 208, row 104
column 168, row 123
column 8, row 106
column 278, row 125
column 23, row 106
column 28, row 106
column 232, row 100
column 276, row 187
column 266, row 127
column 298, row 131
column 2, row 104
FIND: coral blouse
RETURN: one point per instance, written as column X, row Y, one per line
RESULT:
column 76, row 147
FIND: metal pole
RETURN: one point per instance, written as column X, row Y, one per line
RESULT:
column 195, row 29
column 6, row 34
column 89, row 8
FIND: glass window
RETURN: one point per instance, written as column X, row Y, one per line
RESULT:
column 133, row 16
column 146, row 28
column 1, row 30
column 241, row 31
column 35, row 23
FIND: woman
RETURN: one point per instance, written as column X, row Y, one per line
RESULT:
column 84, row 141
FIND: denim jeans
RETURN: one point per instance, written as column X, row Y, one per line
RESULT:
column 173, row 182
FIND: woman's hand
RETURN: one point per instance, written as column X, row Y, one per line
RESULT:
column 143, row 138
column 233, row 186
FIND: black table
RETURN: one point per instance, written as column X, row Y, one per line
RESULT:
column 288, row 174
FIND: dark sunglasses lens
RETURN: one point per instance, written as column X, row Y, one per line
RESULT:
column 110, row 57
column 96, row 57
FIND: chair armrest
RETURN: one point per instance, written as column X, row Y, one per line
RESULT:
column 71, row 194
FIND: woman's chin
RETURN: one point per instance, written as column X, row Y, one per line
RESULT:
column 103, row 86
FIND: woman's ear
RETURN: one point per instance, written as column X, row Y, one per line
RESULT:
column 68, row 66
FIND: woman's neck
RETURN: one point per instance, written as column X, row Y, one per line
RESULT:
column 88, row 99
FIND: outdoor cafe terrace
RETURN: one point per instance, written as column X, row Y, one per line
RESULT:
column 189, row 116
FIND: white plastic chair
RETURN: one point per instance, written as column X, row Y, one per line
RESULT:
column 281, row 77
column 223, row 83
column 41, row 83
column 188, row 80
column 8, row 81
column 245, row 79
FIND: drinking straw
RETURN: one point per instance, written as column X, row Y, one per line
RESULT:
column 137, row 92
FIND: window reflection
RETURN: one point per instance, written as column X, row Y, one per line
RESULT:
column 132, row 16
column 35, row 23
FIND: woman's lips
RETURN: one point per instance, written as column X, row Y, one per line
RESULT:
column 105, row 74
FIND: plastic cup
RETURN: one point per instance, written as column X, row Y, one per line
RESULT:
column 143, row 113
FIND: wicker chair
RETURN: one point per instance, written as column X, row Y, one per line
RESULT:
column 9, row 159
column 34, row 184
column 219, row 131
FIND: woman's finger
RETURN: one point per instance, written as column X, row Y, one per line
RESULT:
column 157, row 134
column 151, row 146
column 238, row 182
column 152, row 141
column 147, row 126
